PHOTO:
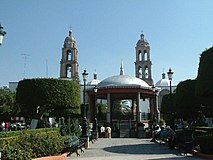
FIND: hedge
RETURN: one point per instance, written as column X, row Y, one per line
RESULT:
column 205, row 143
column 28, row 144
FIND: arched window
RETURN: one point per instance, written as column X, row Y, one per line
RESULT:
column 69, row 71
column 139, row 55
column 69, row 55
column 145, row 56
column 146, row 72
column 140, row 72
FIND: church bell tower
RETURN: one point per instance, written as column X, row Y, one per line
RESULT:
column 143, row 63
column 69, row 61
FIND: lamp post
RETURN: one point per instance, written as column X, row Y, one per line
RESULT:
column 2, row 33
column 84, row 129
column 154, row 103
column 95, row 124
column 170, row 76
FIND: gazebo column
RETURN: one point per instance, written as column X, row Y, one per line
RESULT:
column 133, row 110
column 138, row 107
column 152, row 109
column 157, row 108
column 108, row 108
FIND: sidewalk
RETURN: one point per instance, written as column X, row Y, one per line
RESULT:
column 128, row 149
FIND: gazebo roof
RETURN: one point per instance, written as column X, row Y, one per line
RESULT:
column 120, row 81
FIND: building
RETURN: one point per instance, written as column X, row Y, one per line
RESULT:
column 69, row 60
column 143, row 64
column 163, row 87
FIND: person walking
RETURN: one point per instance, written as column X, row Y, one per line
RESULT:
column 102, row 132
column 108, row 132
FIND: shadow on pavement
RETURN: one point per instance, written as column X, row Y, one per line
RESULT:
column 141, row 149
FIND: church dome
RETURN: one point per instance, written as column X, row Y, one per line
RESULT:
column 95, row 81
column 70, row 37
column 122, row 81
column 142, row 40
column 163, row 82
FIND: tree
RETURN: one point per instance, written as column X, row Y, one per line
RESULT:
column 117, row 109
column 204, row 83
column 101, row 111
column 37, row 96
column 7, row 104
column 168, row 103
column 168, row 107
column 187, row 105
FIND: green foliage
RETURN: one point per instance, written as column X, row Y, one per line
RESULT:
column 205, row 78
column 101, row 111
column 7, row 102
column 168, row 103
column 20, row 132
column 48, row 94
column 205, row 143
column 186, row 101
column 117, row 108
column 30, row 144
column 70, row 128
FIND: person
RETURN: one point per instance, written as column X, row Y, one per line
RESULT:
column 141, row 131
column 3, row 125
column 102, row 131
column 6, row 126
column 155, row 133
column 108, row 132
column 171, row 138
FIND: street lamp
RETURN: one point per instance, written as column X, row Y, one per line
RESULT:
column 95, row 124
column 2, row 33
column 170, row 76
column 84, row 129
column 154, row 89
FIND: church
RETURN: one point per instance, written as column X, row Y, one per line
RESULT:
column 140, row 90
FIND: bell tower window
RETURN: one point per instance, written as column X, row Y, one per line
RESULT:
column 140, row 72
column 146, row 72
column 145, row 55
column 69, row 55
column 139, row 55
column 69, row 71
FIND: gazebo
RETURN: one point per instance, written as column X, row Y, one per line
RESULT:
column 122, row 87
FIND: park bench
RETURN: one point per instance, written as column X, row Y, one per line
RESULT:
column 74, row 144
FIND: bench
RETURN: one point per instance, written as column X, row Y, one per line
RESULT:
column 74, row 144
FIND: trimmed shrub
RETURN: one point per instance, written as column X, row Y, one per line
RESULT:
column 205, row 143
column 28, row 144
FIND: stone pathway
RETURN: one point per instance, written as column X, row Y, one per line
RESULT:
column 129, row 149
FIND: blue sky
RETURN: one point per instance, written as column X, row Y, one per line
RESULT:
column 106, row 32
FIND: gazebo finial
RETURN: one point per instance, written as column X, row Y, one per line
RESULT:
column 121, row 68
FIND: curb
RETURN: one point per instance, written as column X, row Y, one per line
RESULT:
column 208, row 156
column 60, row 157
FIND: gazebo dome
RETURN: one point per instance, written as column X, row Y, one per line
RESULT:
column 122, row 81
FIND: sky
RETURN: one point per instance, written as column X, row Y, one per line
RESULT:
column 106, row 32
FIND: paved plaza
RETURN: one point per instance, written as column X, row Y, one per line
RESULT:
column 129, row 149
